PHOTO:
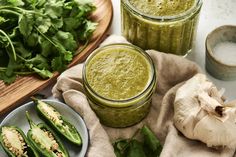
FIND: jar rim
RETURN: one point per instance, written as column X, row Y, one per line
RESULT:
column 183, row 15
column 149, row 84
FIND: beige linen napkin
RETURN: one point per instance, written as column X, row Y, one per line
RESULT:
column 172, row 71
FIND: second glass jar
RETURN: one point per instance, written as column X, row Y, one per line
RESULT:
column 170, row 34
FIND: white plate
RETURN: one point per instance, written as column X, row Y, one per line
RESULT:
column 17, row 118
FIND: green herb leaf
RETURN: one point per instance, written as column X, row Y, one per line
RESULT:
column 20, row 49
column 152, row 146
column 13, row 65
column 6, row 37
column 40, row 3
column 16, row 2
column 3, row 41
column 40, row 36
column 135, row 149
column 57, row 23
column 58, row 64
column 46, row 48
column 43, row 73
column 148, row 147
column 68, row 56
column 26, row 23
column 83, row 2
column 150, row 139
column 32, row 40
column 120, row 147
column 54, row 8
column 39, row 62
column 6, row 78
column 43, row 24
column 2, row 20
column 3, row 58
column 66, row 39
column 71, row 23
column 88, row 30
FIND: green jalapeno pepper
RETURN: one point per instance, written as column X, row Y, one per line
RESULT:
column 58, row 122
column 45, row 140
column 15, row 143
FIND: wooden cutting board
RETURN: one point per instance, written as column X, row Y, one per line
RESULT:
column 14, row 94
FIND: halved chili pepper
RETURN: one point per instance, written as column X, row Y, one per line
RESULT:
column 45, row 140
column 15, row 143
column 58, row 122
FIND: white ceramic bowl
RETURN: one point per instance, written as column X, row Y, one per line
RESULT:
column 17, row 118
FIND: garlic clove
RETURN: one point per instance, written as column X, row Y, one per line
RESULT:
column 201, row 114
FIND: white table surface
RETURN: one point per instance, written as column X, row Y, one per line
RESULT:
column 214, row 13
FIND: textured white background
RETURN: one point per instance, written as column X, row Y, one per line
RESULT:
column 214, row 13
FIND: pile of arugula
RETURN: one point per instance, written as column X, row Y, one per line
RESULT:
column 149, row 147
column 41, row 36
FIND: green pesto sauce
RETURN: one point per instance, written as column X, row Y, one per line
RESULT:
column 118, row 74
column 162, row 7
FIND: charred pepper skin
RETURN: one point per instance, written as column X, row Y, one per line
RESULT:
column 56, row 150
column 31, row 152
column 61, row 125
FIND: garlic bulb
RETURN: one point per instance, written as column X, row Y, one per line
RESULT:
column 201, row 114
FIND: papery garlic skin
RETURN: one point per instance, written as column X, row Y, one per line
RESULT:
column 200, row 114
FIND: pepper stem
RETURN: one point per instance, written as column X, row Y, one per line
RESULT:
column 32, row 124
column 34, row 99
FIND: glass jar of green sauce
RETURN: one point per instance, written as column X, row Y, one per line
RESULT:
column 119, row 80
column 164, row 25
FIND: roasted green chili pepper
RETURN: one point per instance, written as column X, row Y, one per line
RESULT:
column 58, row 122
column 45, row 140
column 15, row 143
